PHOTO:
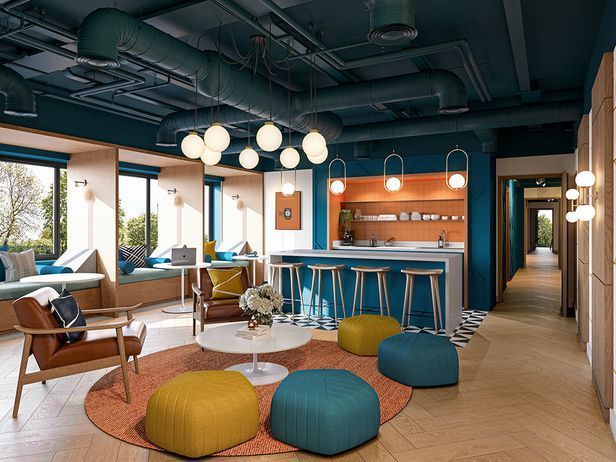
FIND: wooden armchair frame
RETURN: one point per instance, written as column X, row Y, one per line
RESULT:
column 77, row 368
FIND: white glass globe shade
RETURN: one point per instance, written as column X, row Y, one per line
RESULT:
column 288, row 189
column 269, row 137
column 210, row 157
column 289, row 157
column 337, row 187
column 571, row 217
column 313, row 143
column 585, row 212
column 192, row 145
column 572, row 194
column 456, row 181
column 585, row 179
column 393, row 184
column 322, row 157
column 249, row 158
column 217, row 138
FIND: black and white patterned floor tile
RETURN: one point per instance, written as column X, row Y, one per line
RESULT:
column 471, row 320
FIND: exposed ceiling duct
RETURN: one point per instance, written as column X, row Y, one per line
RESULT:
column 106, row 31
column 18, row 95
column 392, row 22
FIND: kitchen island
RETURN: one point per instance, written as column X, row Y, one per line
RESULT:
column 450, row 282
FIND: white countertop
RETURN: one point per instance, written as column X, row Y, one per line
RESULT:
column 402, row 246
column 371, row 254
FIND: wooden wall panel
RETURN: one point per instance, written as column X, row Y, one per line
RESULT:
column 244, row 223
column 181, row 222
column 582, row 301
column 93, row 223
column 602, row 343
column 583, row 234
column 603, row 87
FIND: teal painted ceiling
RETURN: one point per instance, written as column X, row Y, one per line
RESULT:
column 556, row 40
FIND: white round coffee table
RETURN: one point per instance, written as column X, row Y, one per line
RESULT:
column 182, row 309
column 282, row 337
column 62, row 278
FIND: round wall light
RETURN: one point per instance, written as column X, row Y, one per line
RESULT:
column 571, row 217
column 585, row 179
column 269, row 137
column 585, row 212
column 313, row 144
column 289, row 157
column 572, row 194
column 249, row 158
column 217, row 138
column 192, row 145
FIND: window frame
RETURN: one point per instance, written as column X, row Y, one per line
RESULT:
column 57, row 166
column 148, row 206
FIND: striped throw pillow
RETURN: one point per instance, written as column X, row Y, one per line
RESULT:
column 226, row 282
column 18, row 265
column 134, row 254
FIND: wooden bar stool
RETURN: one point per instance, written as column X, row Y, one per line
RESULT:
column 275, row 274
column 317, row 269
column 381, row 276
column 433, row 274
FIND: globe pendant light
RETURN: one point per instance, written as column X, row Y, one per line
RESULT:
column 456, row 181
column 289, row 158
column 322, row 157
column 269, row 137
column 393, row 183
column 313, row 143
column 192, row 145
column 217, row 138
column 287, row 188
column 210, row 157
column 249, row 158
column 337, row 186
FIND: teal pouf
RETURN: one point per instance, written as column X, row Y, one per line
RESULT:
column 325, row 411
column 419, row 360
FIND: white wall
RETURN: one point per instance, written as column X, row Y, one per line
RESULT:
column 287, row 240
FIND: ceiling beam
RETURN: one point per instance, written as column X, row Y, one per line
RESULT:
column 515, row 24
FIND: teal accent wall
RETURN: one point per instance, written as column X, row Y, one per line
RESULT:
column 216, row 211
column 516, row 225
column 480, row 222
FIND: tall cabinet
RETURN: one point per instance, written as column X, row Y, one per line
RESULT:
column 602, row 233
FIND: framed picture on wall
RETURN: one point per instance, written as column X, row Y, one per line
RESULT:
column 289, row 211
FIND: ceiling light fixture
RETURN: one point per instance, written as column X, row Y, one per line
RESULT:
column 210, row 157
column 249, row 158
column 337, row 186
column 314, row 144
column 289, row 157
column 393, row 183
column 192, row 145
column 287, row 188
column 269, row 136
column 217, row 137
column 456, row 181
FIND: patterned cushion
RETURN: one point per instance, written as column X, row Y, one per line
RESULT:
column 209, row 248
column 226, row 282
column 3, row 248
column 134, row 254
column 18, row 265
column 67, row 313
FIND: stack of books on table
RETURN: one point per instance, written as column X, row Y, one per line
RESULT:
column 249, row 334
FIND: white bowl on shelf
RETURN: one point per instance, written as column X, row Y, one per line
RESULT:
column 445, row 217
column 415, row 217
column 426, row 217
column 455, row 217
column 435, row 216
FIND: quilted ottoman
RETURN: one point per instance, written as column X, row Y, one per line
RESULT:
column 199, row 413
column 325, row 411
column 363, row 334
column 419, row 360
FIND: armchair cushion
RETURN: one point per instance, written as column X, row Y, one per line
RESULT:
column 151, row 261
column 51, row 269
column 226, row 256
column 134, row 254
column 18, row 265
column 227, row 282
column 67, row 313
column 209, row 248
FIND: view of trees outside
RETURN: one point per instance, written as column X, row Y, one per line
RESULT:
column 132, row 211
column 544, row 228
column 26, row 207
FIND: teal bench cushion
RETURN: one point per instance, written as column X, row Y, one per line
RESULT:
column 13, row 290
column 325, row 411
column 148, row 274
column 419, row 360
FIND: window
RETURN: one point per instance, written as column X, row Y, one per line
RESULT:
column 33, row 207
column 207, row 200
column 138, row 212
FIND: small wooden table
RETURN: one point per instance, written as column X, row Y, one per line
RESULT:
column 62, row 278
column 253, row 261
column 182, row 309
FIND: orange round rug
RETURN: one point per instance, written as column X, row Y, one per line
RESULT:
column 107, row 409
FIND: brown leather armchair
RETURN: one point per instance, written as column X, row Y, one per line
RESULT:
column 206, row 310
column 101, row 346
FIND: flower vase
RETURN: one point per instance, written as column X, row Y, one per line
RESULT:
column 263, row 319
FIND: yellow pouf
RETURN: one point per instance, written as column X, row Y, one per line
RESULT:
column 363, row 334
column 200, row 413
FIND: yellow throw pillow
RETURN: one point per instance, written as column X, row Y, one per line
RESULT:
column 209, row 248
column 227, row 282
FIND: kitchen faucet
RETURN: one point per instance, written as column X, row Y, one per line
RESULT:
column 389, row 242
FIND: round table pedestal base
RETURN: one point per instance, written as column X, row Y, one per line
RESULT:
column 264, row 374
column 178, row 310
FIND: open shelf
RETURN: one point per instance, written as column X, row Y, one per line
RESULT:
column 402, row 200
column 404, row 221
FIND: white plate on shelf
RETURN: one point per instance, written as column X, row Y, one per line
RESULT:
column 455, row 217
column 426, row 217
column 445, row 217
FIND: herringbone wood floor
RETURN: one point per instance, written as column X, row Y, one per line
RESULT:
column 525, row 394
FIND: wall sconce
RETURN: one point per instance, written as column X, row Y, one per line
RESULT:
column 337, row 187
column 235, row 200
column 393, row 183
column 456, row 181
column 86, row 193
column 288, row 189
column 173, row 197
column 581, row 198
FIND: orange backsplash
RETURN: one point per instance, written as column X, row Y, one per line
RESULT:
column 427, row 194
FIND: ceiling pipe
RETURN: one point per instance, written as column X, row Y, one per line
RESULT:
column 106, row 31
column 19, row 98
column 392, row 22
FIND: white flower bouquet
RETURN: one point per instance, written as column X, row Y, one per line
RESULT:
column 261, row 303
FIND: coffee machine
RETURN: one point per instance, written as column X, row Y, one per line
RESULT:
column 348, row 237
